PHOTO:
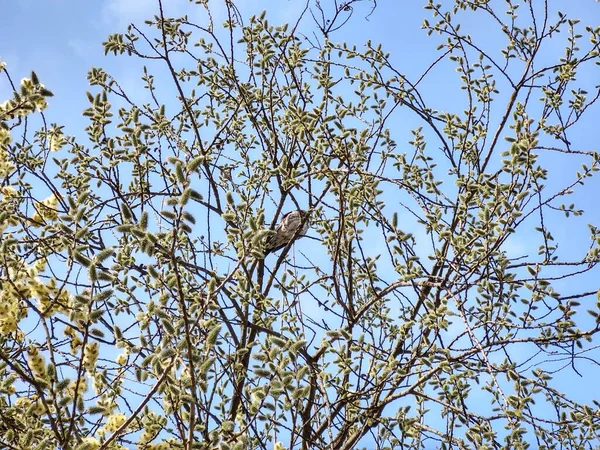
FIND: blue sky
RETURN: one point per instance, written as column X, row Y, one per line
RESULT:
column 61, row 41
column 63, row 38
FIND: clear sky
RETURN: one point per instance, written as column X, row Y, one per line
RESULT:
column 61, row 40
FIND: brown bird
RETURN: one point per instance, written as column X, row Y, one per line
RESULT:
column 287, row 229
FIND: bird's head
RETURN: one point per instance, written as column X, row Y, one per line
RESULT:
column 292, row 220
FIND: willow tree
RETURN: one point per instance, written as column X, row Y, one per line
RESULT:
column 138, row 307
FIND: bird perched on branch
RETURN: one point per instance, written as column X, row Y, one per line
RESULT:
column 292, row 225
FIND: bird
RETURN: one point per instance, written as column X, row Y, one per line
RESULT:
column 292, row 225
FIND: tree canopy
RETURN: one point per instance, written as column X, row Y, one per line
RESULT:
column 430, row 304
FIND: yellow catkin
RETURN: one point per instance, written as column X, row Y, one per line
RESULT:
column 90, row 356
column 114, row 422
